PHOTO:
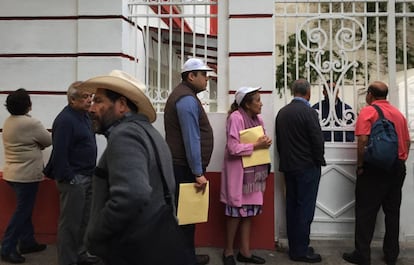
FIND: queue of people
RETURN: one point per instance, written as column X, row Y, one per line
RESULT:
column 107, row 208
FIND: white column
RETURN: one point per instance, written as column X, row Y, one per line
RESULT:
column 249, row 51
column 222, row 56
column 392, row 67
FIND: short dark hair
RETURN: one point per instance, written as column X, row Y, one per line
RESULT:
column 301, row 87
column 184, row 75
column 18, row 102
column 377, row 92
column 113, row 96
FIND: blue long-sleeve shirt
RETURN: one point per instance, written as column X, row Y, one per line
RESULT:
column 74, row 146
column 188, row 115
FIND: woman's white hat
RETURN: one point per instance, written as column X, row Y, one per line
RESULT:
column 126, row 85
column 243, row 91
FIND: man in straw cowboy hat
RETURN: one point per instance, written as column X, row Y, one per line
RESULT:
column 128, row 189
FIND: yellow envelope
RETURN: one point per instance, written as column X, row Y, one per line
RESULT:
column 259, row 156
column 192, row 205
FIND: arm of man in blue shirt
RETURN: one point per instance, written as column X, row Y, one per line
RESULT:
column 188, row 115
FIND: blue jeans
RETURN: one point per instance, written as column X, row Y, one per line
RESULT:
column 20, row 227
column 301, row 192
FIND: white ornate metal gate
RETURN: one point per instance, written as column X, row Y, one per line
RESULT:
column 351, row 43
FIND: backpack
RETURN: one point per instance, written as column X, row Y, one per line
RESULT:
column 382, row 148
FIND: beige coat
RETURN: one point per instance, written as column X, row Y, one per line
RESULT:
column 24, row 138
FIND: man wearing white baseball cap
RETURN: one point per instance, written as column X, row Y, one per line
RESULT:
column 195, row 64
column 190, row 137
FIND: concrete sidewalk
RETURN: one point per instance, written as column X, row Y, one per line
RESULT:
column 331, row 251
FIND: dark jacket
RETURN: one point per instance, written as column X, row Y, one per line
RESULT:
column 173, row 134
column 299, row 137
column 74, row 146
column 127, row 186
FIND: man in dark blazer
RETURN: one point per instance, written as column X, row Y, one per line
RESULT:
column 300, row 145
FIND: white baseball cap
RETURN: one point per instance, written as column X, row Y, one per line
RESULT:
column 195, row 64
column 243, row 91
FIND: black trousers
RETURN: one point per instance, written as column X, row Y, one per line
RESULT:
column 183, row 174
column 377, row 188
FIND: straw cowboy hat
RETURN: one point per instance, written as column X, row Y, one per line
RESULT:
column 126, row 85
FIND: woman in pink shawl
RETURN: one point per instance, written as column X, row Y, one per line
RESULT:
column 242, row 188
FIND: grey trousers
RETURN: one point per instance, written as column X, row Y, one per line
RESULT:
column 75, row 204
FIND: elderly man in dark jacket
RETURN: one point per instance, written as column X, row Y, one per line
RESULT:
column 128, row 188
column 301, row 149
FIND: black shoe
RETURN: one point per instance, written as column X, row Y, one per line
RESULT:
column 202, row 259
column 33, row 248
column 353, row 257
column 309, row 258
column 229, row 260
column 252, row 259
column 311, row 251
column 13, row 258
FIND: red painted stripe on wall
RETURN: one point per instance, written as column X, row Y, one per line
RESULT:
column 250, row 15
column 70, row 18
column 36, row 92
column 244, row 54
column 50, row 130
column 62, row 55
